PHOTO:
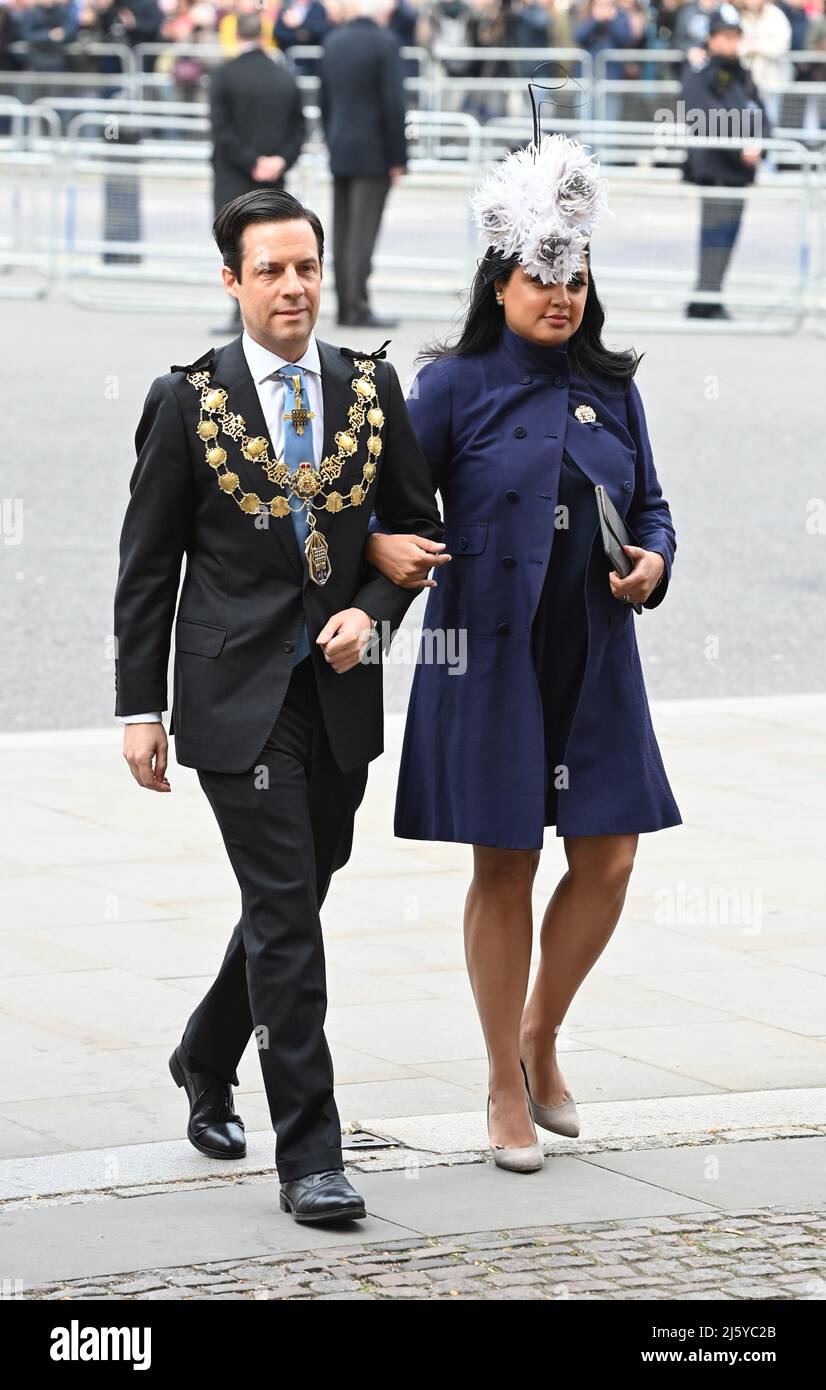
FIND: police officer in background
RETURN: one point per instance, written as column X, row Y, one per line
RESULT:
column 722, row 85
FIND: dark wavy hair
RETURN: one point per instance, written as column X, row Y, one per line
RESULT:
column 481, row 327
column 261, row 205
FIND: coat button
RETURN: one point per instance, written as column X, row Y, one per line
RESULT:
column 560, row 381
column 525, row 380
column 520, row 431
column 511, row 495
column 463, row 542
column 503, row 629
column 508, row 561
column 288, row 646
column 628, row 486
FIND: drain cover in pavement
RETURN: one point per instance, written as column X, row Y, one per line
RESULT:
column 360, row 1139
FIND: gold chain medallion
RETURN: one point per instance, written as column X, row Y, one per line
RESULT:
column 310, row 485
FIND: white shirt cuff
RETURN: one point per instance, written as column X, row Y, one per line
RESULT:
column 141, row 718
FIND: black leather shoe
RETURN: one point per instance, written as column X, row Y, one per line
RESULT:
column 214, row 1128
column 326, row 1196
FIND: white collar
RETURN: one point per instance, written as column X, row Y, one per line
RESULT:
column 262, row 363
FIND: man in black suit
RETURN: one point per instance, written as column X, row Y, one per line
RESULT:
column 257, row 123
column 363, row 115
column 280, row 740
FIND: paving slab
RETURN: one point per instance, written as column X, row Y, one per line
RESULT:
column 733, row 1175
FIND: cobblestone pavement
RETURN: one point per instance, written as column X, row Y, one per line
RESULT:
column 748, row 1254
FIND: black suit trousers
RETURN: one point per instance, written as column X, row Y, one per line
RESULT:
column 287, row 823
column 719, row 227
column 358, row 204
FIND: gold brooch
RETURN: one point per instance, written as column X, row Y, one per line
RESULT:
column 586, row 414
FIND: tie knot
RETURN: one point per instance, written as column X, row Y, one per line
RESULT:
column 290, row 371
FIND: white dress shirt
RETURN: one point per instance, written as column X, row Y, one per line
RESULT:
column 264, row 367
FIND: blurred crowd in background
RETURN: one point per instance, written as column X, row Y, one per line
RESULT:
column 755, row 59
column 55, row 32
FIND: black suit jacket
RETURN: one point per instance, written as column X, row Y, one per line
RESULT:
column 362, row 100
column 255, row 108
column 246, row 593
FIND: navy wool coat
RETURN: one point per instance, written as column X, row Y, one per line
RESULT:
column 492, row 427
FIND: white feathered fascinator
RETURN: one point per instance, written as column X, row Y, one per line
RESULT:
column 540, row 204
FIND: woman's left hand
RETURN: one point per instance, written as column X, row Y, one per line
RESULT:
column 649, row 568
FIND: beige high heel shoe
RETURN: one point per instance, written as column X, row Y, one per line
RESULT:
column 559, row 1119
column 522, row 1158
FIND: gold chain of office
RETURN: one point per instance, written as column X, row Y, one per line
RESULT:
column 307, row 483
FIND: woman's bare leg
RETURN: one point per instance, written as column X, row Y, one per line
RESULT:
column 577, row 926
column 498, row 939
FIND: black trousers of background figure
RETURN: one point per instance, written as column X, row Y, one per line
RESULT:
column 358, row 204
column 720, row 220
column 287, row 824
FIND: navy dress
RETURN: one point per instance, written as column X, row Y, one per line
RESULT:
column 559, row 635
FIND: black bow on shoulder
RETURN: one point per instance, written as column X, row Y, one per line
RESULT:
column 205, row 361
column 360, row 352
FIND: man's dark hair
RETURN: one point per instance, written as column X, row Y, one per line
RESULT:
column 262, row 205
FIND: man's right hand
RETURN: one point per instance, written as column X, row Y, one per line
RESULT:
column 405, row 560
column 146, row 749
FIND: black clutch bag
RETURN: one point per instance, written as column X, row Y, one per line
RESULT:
column 615, row 535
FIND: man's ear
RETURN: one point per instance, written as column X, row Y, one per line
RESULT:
column 228, row 279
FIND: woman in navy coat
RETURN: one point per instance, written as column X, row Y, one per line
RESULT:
column 549, row 722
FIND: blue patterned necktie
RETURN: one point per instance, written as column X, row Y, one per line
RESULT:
column 298, row 448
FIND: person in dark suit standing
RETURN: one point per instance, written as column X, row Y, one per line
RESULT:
column 363, row 115
column 257, row 123
column 260, row 462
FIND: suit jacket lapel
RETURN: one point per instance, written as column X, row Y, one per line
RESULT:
column 231, row 372
column 337, row 372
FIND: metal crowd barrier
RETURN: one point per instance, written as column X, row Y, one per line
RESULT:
column 818, row 264
column 115, row 203
column 485, row 83
column 796, row 105
column 136, row 205
column 29, row 200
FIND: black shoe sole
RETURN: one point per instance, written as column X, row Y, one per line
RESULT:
column 213, row 1153
column 179, row 1077
column 351, row 1213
